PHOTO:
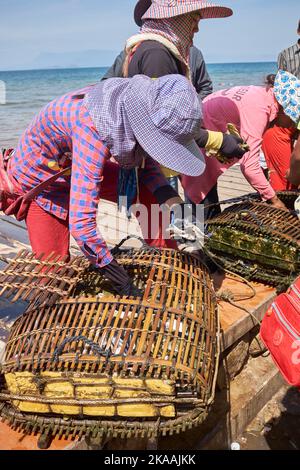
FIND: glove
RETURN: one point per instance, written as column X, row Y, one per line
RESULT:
column 225, row 146
column 232, row 146
column 121, row 282
column 130, row 290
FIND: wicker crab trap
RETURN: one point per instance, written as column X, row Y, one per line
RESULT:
column 88, row 363
column 258, row 241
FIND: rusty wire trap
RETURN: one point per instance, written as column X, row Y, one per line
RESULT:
column 87, row 362
column 258, row 242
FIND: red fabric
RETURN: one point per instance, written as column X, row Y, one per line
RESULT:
column 147, row 198
column 109, row 193
column 277, row 148
column 280, row 332
column 47, row 233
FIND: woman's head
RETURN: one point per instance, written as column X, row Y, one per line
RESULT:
column 178, row 20
column 218, row 112
column 143, row 5
column 163, row 116
column 270, row 79
column 179, row 30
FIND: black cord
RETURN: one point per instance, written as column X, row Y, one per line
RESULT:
column 95, row 347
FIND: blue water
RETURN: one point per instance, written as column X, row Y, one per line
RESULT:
column 28, row 91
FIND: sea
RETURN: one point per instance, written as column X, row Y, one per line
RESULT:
column 24, row 93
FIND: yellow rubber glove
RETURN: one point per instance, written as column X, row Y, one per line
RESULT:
column 214, row 143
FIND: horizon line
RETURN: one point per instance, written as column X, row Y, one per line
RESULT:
column 108, row 66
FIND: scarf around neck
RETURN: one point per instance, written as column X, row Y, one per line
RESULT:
column 177, row 30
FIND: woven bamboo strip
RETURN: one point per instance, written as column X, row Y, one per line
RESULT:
column 75, row 402
column 169, row 335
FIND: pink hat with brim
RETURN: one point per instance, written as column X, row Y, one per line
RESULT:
column 169, row 8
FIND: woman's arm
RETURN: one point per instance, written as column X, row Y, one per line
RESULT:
column 254, row 174
column 251, row 169
column 89, row 156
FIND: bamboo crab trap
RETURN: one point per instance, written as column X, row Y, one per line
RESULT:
column 83, row 362
column 257, row 241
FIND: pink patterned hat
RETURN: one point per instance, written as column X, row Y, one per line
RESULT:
column 170, row 8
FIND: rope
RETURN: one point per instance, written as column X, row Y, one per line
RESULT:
column 4, row 260
column 116, row 250
column 246, row 198
column 95, row 347
column 228, row 296
column 73, row 402
column 256, row 219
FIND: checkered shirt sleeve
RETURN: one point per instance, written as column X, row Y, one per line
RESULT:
column 89, row 156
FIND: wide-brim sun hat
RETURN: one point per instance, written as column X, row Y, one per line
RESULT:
column 287, row 93
column 165, row 115
column 161, row 9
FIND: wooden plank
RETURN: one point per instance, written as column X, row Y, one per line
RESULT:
column 236, row 322
column 233, row 177
column 233, row 184
column 12, row 440
column 248, row 394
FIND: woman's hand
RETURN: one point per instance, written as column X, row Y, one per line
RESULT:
column 120, row 281
column 225, row 147
column 276, row 202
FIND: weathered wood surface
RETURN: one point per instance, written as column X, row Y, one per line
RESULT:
column 235, row 321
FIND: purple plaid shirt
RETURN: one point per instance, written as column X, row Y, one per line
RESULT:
column 63, row 126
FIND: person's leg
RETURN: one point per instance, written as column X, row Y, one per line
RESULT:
column 109, row 190
column 277, row 147
column 47, row 233
column 160, row 239
column 109, row 185
column 211, row 201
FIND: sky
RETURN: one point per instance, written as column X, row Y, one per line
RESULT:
column 31, row 29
